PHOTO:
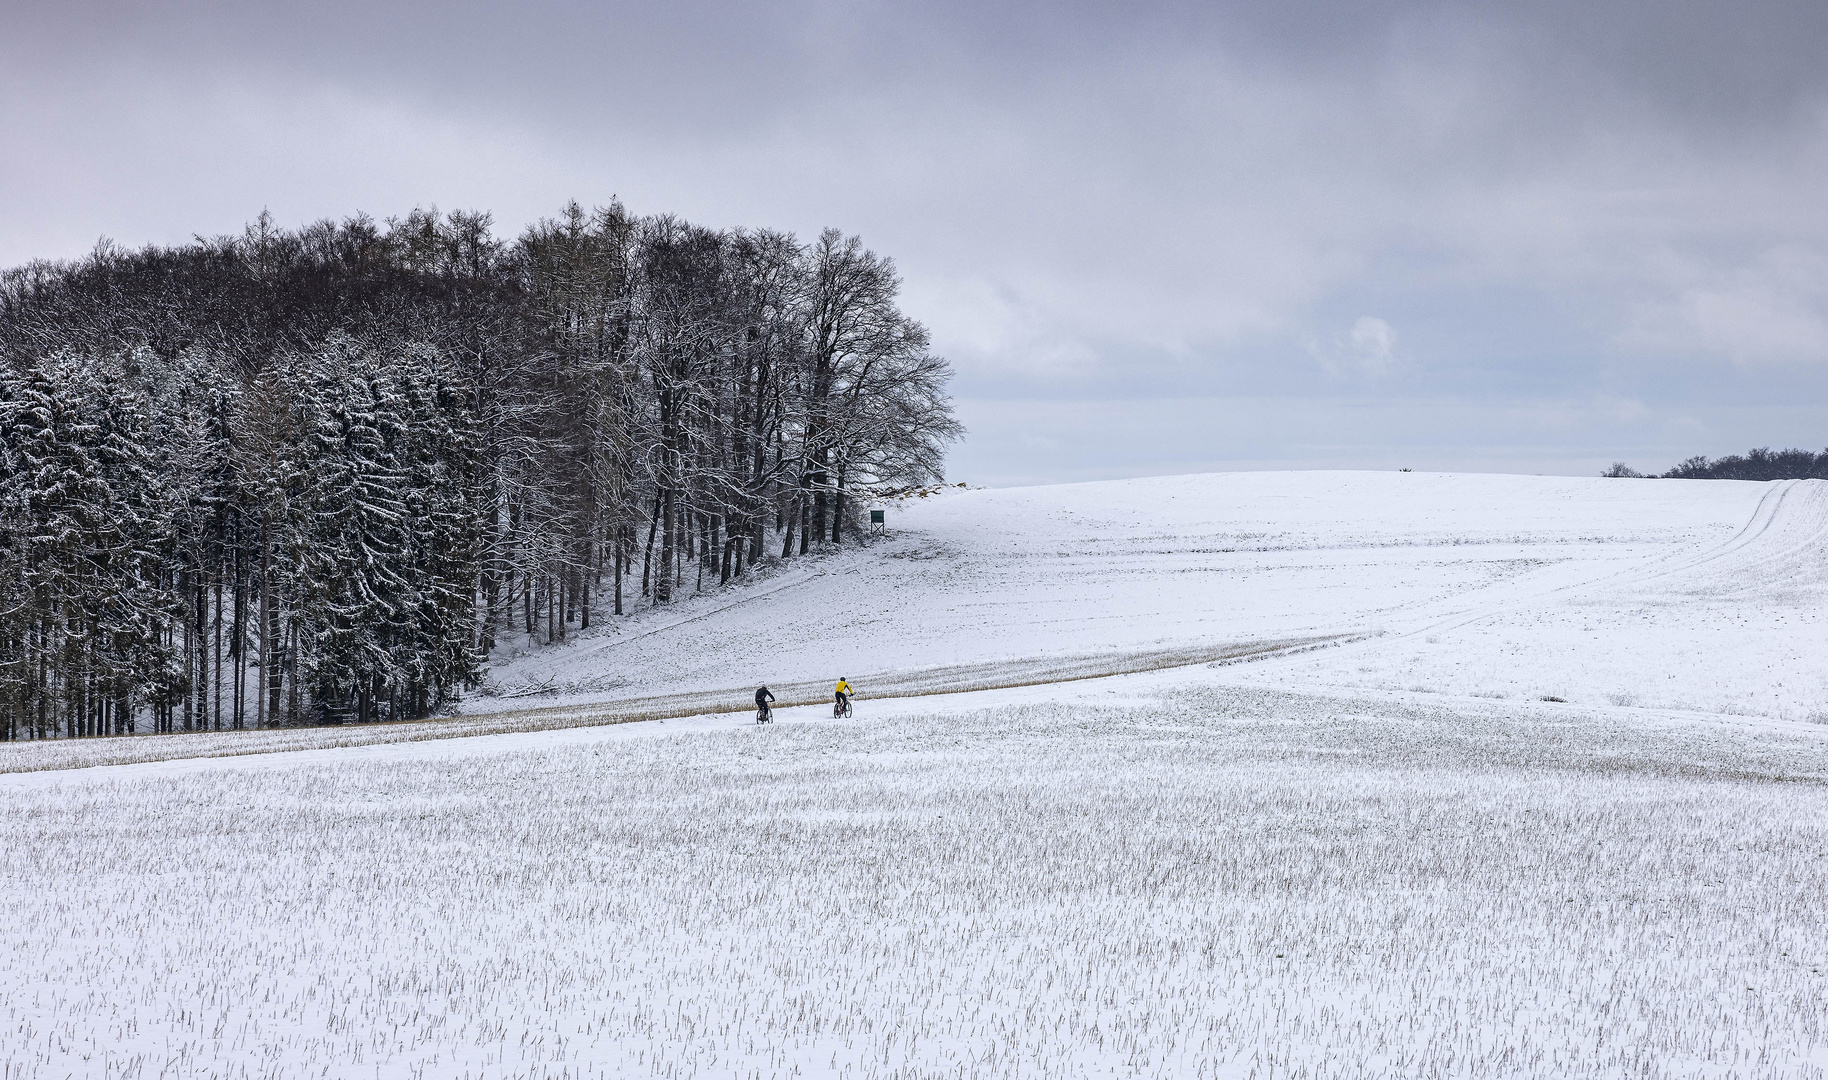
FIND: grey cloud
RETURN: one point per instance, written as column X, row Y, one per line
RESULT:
column 1547, row 201
column 1694, row 59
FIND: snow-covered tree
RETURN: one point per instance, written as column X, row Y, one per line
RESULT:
column 314, row 475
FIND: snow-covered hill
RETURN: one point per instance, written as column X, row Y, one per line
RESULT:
column 1695, row 595
column 1359, row 845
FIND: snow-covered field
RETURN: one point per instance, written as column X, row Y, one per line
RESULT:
column 1366, row 848
column 1702, row 595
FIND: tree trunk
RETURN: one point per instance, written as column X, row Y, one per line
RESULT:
column 669, row 543
column 238, row 644
column 292, row 671
column 190, row 661
column 491, row 581
column 216, row 654
column 618, row 572
column 704, row 548
column 266, row 607
column 647, row 556
column 584, row 583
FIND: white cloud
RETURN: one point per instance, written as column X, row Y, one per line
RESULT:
column 1773, row 310
column 1366, row 350
column 1373, row 344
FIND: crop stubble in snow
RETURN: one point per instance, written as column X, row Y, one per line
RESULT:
column 1237, row 878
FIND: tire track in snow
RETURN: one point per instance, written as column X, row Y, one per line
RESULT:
column 1768, row 511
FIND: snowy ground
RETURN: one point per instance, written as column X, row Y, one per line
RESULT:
column 1360, row 845
column 1703, row 595
column 1130, row 880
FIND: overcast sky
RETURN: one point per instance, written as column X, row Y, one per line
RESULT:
column 1152, row 238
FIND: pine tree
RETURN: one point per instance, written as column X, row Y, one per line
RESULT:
column 312, row 475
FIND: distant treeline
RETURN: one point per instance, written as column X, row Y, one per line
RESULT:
column 1761, row 464
column 315, row 475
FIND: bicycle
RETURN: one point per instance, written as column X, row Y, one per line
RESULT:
column 764, row 715
column 841, row 708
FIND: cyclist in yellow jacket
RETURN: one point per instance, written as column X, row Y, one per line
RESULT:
column 844, row 692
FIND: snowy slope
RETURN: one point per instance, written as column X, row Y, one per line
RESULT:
column 1378, row 856
column 1175, row 881
column 1684, row 594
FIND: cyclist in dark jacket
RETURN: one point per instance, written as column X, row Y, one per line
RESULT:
column 762, row 698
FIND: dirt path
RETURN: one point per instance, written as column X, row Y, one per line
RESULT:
column 955, row 679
